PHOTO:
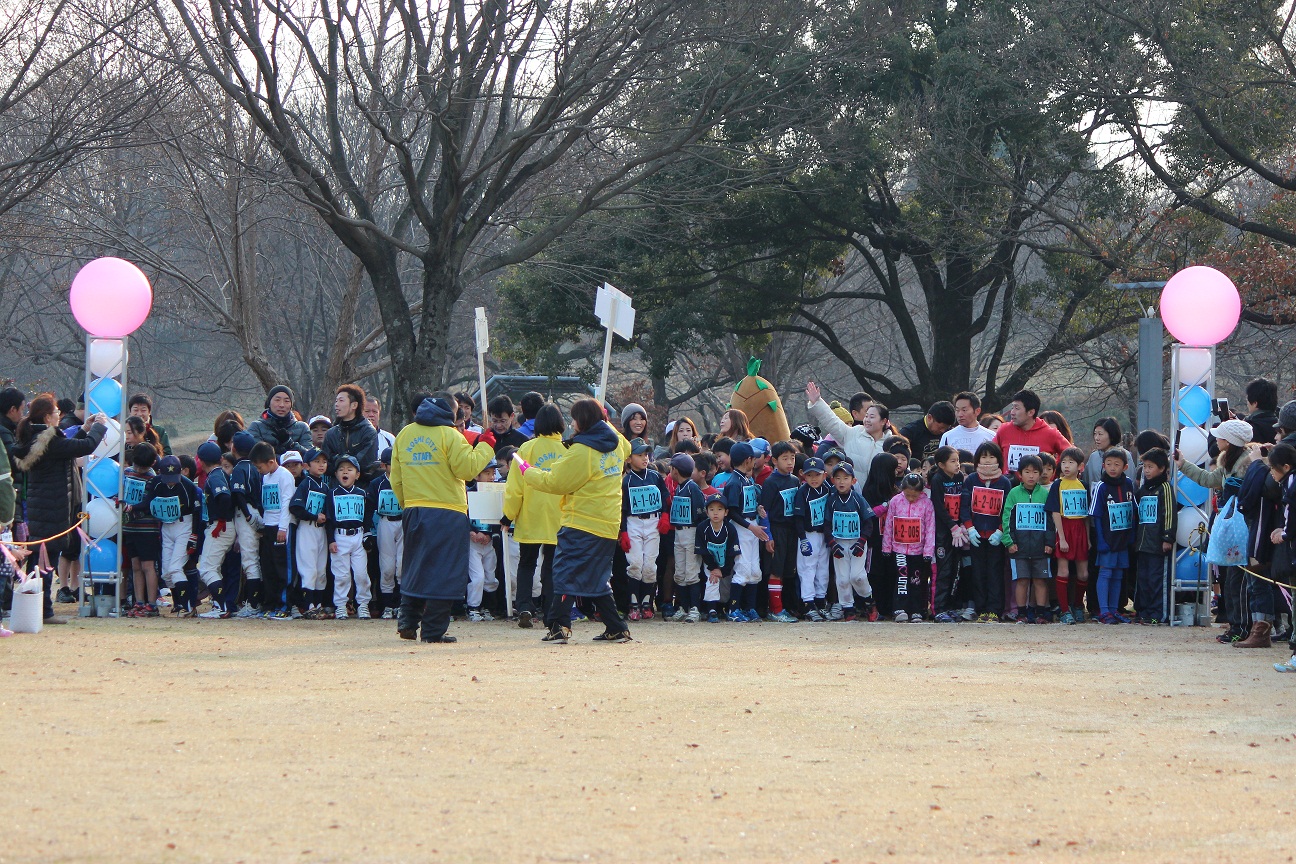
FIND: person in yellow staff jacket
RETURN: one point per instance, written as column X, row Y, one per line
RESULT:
column 588, row 476
column 430, row 462
column 535, row 515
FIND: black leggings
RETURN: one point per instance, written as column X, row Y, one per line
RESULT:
column 528, row 555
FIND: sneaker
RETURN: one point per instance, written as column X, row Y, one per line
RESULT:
column 871, row 613
column 619, row 636
column 388, row 613
column 1289, row 666
column 835, row 612
column 968, row 614
column 486, row 615
column 5, row 632
column 557, row 634
column 679, row 615
column 752, row 616
column 340, row 614
column 784, row 617
column 915, row 618
column 901, row 617
column 668, row 611
column 1120, row 619
column 1067, row 618
column 814, row 615
column 848, row 614
column 294, row 614
column 578, row 615
column 524, row 619
column 475, row 615
column 646, row 612
column 246, row 611
column 65, row 595
column 634, row 613
column 991, row 618
column 713, row 617
column 1012, row 618
column 693, row 616
column 945, row 618
column 214, row 612
column 363, row 612
column 737, row 616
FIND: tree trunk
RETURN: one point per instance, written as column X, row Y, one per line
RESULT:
column 951, row 354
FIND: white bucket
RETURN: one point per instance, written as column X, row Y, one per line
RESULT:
column 1187, row 614
column 28, row 613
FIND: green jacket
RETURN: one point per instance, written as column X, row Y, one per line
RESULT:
column 1030, row 541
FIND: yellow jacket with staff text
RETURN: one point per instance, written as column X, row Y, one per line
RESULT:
column 431, row 460
column 588, row 477
column 535, row 515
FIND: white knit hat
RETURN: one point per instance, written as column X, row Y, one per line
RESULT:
column 1237, row 432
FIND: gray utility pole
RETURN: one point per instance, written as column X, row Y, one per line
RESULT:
column 1151, row 365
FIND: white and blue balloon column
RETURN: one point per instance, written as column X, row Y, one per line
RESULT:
column 1200, row 307
column 110, row 299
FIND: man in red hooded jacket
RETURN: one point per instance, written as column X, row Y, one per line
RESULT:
column 1025, row 434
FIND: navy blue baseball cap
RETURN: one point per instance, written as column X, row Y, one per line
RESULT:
column 385, row 456
column 243, row 442
column 813, row 465
column 740, row 453
column 351, row 459
column 846, row 467
column 168, row 469
column 209, row 453
column 715, row 499
column 639, row 445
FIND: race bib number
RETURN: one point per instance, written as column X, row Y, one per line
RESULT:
column 1120, row 516
column 789, row 500
column 952, row 506
column 1017, row 451
column 166, row 509
column 1148, row 510
column 270, row 497
column 387, row 503
column 314, row 503
column 645, row 500
column 846, row 525
column 818, row 507
column 348, row 508
column 987, row 501
column 717, row 551
column 1075, row 503
column 1029, row 517
column 750, row 500
column 906, row 530
column 682, row 511
column 133, row 491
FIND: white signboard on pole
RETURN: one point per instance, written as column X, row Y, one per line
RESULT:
column 483, row 345
column 613, row 309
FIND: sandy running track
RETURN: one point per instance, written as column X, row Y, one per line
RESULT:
column 224, row 741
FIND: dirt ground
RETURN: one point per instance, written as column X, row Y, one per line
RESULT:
column 264, row 741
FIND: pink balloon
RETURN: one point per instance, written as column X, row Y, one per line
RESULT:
column 1200, row 306
column 110, row 298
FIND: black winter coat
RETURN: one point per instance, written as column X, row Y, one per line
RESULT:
column 53, row 477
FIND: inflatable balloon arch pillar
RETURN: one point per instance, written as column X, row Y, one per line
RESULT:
column 110, row 299
column 1200, row 307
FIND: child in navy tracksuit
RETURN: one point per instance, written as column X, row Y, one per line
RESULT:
column 719, row 549
column 1156, row 537
column 946, row 483
column 344, row 509
column 981, row 514
column 310, row 537
column 742, row 496
column 644, row 497
column 810, row 507
column 1114, row 521
column 778, row 497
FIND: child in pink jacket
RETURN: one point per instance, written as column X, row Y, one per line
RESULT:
column 910, row 536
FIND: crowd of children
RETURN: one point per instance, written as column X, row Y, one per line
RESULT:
column 993, row 520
